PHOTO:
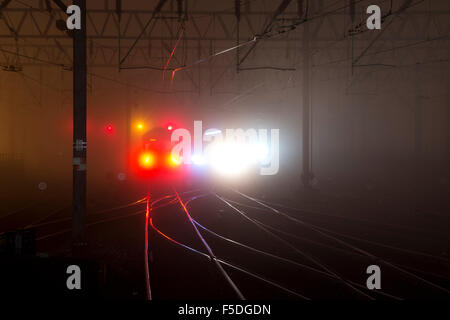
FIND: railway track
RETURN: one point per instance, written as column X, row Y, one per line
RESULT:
column 224, row 244
column 304, row 256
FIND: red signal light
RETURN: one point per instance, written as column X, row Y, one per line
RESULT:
column 109, row 128
column 169, row 127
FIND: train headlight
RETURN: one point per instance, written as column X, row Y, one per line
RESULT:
column 198, row 160
column 228, row 159
column 173, row 161
column 146, row 160
column 235, row 159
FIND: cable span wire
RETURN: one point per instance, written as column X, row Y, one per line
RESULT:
column 256, row 38
column 224, row 262
column 144, row 29
column 288, row 244
column 181, row 33
column 285, row 259
column 327, row 235
column 210, row 252
column 387, row 50
column 347, row 34
column 92, row 74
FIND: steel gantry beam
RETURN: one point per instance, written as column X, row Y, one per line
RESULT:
column 102, row 24
column 35, row 39
column 104, row 53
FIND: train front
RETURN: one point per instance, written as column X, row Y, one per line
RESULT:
column 154, row 159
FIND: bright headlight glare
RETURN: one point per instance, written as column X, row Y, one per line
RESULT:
column 231, row 159
column 260, row 152
column 198, row 160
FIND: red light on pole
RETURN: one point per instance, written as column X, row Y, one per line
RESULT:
column 169, row 127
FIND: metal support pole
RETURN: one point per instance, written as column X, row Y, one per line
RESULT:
column 119, row 19
column 237, row 9
column 128, row 132
column 447, row 137
column 306, row 114
column 418, row 152
column 79, row 130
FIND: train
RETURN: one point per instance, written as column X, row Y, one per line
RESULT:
column 155, row 158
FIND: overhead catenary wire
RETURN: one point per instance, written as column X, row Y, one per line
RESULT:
column 267, row 35
column 390, row 13
column 180, row 36
column 154, row 13
column 405, row 6
column 387, row 50
column 118, row 10
column 96, row 75
column 292, row 27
